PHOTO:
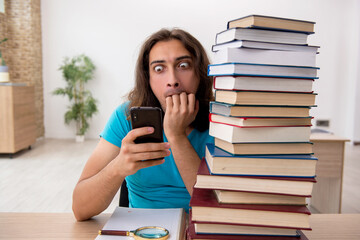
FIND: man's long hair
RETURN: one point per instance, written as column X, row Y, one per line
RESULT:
column 142, row 95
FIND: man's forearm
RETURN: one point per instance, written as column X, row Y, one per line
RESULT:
column 93, row 195
column 186, row 159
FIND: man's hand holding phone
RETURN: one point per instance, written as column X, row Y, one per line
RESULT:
column 132, row 155
column 143, row 146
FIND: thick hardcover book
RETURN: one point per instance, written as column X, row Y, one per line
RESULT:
column 294, row 186
column 236, row 110
column 239, row 229
column 263, row 84
column 224, row 196
column 262, row 56
column 274, row 23
column 262, row 70
column 261, row 36
column 265, row 98
column 192, row 235
column 235, row 134
column 265, row 148
column 260, row 121
column 205, row 207
column 265, row 45
column 221, row 162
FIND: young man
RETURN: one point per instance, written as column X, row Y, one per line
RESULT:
column 171, row 73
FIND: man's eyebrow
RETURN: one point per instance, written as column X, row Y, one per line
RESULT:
column 177, row 59
column 183, row 57
column 157, row 61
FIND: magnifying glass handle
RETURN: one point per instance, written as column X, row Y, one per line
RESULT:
column 114, row 232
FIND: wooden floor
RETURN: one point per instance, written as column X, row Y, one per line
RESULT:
column 42, row 179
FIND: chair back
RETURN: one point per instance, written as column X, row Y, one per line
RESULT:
column 124, row 195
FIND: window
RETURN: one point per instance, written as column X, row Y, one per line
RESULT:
column 2, row 6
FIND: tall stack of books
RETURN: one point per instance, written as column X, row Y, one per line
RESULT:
column 254, row 181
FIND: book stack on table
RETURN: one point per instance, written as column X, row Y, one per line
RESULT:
column 254, row 181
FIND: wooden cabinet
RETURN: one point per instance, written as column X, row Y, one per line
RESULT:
column 17, row 118
column 327, row 192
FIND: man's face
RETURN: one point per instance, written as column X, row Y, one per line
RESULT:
column 171, row 70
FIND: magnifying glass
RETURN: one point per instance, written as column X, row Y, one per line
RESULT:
column 143, row 233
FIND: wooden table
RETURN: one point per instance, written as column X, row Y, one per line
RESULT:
column 327, row 192
column 50, row 226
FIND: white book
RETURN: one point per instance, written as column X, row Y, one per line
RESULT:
column 252, row 34
column 265, row 45
column 263, row 56
column 263, row 84
column 130, row 219
column 250, row 69
column 259, row 134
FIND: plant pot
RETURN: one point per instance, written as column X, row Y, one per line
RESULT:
column 80, row 138
column 4, row 74
column 4, row 68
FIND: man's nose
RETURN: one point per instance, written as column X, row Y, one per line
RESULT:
column 173, row 80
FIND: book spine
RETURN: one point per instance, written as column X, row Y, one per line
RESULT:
column 232, row 125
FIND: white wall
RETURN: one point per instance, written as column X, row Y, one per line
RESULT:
column 111, row 32
column 356, row 123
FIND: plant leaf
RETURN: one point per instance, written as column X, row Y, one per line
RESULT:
column 76, row 72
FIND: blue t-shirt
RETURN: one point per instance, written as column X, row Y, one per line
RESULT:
column 159, row 186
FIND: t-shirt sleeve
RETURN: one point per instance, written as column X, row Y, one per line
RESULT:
column 117, row 126
column 206, row 139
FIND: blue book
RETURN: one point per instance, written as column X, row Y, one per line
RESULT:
column 262, row 70
column 221, row 162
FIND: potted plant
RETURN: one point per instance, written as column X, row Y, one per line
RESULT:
column 4, row 70
column 77, row 71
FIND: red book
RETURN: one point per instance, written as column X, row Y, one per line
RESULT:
column 255, row 122
column 205, row 207
column 191, row 235
column 295, row 186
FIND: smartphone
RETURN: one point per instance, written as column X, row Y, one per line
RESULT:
column 148, row 117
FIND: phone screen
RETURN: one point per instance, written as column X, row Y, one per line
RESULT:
column 147, row 117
